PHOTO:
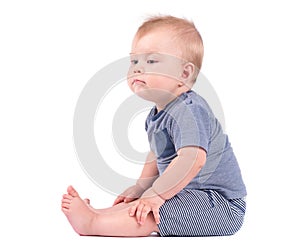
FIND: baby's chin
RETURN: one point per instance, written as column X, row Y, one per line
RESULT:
column 154, row 95
column 145, row 94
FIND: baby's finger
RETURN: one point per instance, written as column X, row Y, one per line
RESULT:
column 156, row 215
column 87, row 201
column 132, row 210
column 139, row 212
column 118, row 200
column 129, row 199
column 146, row 210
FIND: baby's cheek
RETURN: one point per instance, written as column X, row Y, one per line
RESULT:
column 130, row 74
column 168, row 70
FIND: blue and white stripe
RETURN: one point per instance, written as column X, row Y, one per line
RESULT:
column 195, row 212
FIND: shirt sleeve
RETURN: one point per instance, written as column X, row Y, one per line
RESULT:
column 190, row 126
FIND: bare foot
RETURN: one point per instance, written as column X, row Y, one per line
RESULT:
column 79, row 214
column 88, row 203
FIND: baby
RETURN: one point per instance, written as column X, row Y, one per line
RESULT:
column 191, row 184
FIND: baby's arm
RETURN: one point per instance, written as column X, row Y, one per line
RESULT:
column 179, row 173
column 148, row 176
column 149, row 173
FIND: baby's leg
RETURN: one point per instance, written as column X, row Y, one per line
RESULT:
column 85, row 221
column 111, row 209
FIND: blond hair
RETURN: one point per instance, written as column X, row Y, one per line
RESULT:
column 185, row 33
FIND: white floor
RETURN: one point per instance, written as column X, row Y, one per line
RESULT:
column 56, row 238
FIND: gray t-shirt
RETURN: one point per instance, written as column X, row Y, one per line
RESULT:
column 189, row 121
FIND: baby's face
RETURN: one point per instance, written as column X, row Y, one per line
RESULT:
column 156, row 67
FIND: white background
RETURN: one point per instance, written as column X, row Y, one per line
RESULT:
column 50, row 49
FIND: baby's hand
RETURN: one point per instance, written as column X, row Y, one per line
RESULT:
column 149, row 202
column 130, row 194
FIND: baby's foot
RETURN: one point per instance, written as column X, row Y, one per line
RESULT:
column 88, row 203
column 80, row 216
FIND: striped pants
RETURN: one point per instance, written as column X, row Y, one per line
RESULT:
column 201, row 213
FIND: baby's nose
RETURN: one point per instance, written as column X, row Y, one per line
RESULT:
column 138, row 70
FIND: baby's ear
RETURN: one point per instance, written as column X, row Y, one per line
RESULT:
column 188, row 72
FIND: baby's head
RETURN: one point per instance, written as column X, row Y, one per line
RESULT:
column 182, row 35
column 166, row 54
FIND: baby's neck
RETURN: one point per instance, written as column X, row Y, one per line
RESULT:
column 162, row 105
column 163, row 102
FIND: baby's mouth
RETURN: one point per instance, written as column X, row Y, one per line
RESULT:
column 138, row 82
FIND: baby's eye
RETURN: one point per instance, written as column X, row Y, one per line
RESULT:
column 151, row 61
column 134, row 62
